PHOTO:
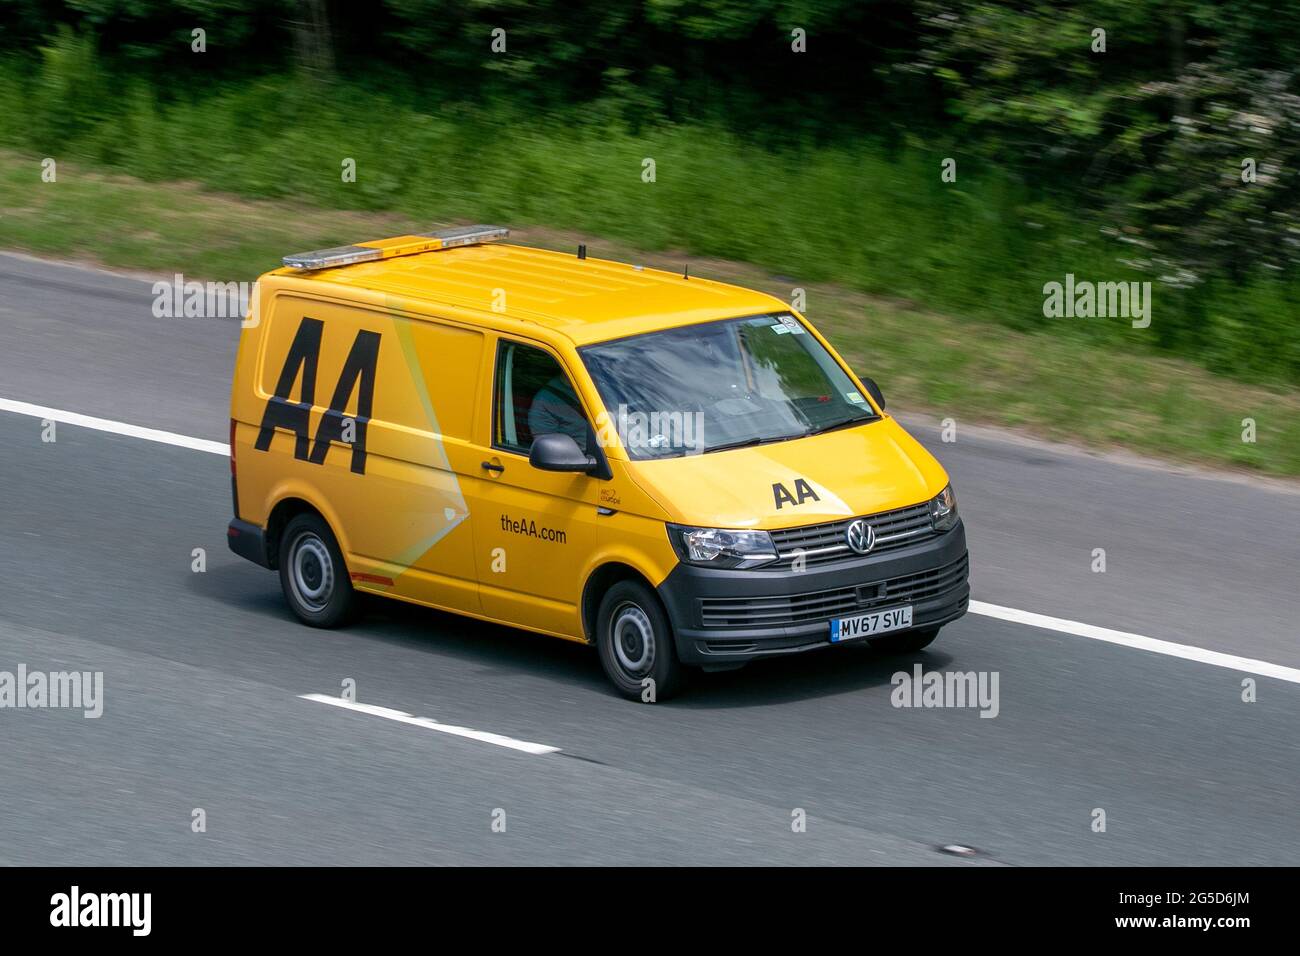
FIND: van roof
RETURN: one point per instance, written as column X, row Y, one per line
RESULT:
column 588, row 300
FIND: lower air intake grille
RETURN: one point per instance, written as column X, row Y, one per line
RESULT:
column 786, row 609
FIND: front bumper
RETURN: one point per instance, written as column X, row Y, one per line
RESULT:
column 725, row 618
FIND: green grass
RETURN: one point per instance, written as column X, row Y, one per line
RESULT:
column 1061, row 386
column 869, row 217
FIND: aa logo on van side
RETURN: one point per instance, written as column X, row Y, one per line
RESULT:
column 304, row 353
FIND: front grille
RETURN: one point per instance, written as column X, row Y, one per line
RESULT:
column 836, row 602
column 824, row 543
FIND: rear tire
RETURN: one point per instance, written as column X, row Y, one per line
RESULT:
column 635, row 643
column 906, row 642
column 313, row 575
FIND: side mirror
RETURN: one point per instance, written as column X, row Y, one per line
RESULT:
column 875, row 392
column 559, row 452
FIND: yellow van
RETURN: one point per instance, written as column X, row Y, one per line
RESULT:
column 678, row 471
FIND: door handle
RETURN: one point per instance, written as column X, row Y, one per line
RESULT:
column 493, row 466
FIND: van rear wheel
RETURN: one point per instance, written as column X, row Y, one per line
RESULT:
column 635, row 643
column 313, row 575
column 905, row 642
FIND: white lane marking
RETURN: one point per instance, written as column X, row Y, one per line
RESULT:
column 1014, row 615
column 404, row 718
column 115, row 428
column 1185, row 651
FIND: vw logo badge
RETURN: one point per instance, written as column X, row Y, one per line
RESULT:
column 860, row 536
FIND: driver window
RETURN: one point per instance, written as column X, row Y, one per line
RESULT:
column 533, row 397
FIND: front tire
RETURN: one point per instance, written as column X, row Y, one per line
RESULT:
column 635, row 643
column 313, row 575
column 906, row 642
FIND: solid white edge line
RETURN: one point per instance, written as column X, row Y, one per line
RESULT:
column 404, row 718
column 1123, row 638
column 1138, row 641
column 115, row 428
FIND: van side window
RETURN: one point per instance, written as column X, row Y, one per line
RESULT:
column 533, row 397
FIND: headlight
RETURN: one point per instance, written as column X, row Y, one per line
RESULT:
column 721, row 548
column 943, row 510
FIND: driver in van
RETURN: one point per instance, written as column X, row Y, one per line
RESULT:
column 556, row 409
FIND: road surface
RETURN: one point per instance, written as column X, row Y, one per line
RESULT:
column 206, row 675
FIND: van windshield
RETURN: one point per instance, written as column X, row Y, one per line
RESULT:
column 718, row 385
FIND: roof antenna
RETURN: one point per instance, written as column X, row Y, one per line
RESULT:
column 686, row 271
column 582, row 250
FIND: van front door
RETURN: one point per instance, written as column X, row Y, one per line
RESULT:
column 534, row 531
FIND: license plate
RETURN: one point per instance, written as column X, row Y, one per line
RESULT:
column 869, row 625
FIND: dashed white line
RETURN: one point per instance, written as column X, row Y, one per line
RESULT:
column 404, row 718
column 1078, row 629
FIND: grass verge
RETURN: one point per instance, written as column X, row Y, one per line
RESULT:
column 1055, row 386
column 868, row 215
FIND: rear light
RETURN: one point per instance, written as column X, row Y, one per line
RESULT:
column 234, row 483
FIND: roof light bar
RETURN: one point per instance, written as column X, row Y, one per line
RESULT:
column 397, row 246
column 468, row 235
column 328, row 258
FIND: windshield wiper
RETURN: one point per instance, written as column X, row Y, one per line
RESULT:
column 748, row 442
column 847, row 423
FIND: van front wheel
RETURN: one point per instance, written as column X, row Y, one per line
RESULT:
column 635, row 643
column 313, row 576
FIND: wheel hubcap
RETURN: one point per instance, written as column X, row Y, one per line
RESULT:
column 634, row 639
column 311, row 572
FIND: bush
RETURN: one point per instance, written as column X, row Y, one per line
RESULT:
column 868, row 213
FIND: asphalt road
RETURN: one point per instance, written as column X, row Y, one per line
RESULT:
column 203, row 672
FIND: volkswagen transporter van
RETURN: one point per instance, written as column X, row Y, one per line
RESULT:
column 680, row 472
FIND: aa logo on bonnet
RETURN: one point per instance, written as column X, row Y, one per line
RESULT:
column 801, row 487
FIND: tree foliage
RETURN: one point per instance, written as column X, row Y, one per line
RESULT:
column 1171, row 126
